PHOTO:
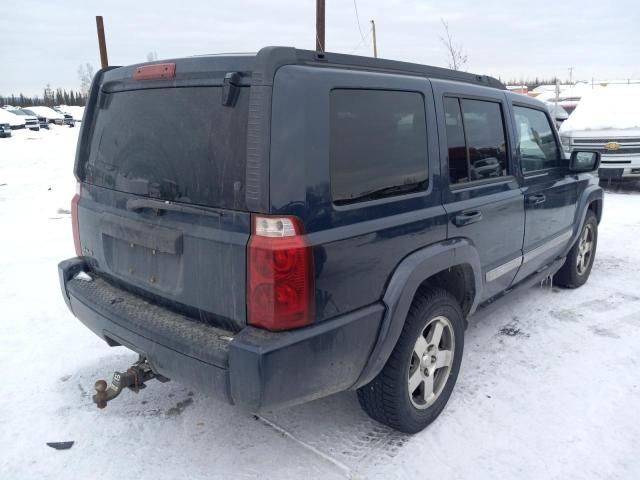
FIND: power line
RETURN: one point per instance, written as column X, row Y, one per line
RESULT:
column 364, row 39
column 355, row 7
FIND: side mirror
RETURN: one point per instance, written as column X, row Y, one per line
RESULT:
column 584, row 161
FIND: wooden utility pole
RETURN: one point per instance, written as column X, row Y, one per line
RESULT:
column 101, row 42
column 320, row 26
column 375, row 43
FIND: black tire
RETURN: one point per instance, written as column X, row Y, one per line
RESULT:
column 387, row 398
column 570, row 274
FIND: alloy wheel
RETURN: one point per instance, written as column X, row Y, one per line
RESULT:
column 431, row 361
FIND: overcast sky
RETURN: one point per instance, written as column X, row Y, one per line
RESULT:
column 45, row 41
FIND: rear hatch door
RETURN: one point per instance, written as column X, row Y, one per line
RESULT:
column 162, row 164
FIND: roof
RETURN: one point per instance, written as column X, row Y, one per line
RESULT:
column 260, row 68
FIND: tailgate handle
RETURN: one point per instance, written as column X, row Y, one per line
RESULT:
column 138, row 204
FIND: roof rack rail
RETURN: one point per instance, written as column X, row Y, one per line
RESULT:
column 269, row 59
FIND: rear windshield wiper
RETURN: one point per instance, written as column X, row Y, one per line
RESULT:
column 383, row 192
column 137, row 204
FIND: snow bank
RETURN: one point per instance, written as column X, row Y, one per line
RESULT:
column 610, row 107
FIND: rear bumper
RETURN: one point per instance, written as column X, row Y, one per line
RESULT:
column 253, row 368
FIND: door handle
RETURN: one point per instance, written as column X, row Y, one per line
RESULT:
column 467, row 218
column 536, row 199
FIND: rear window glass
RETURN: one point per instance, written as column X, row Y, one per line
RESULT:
column 378, row 144
column 178, row 144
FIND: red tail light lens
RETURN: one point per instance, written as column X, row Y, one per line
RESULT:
column 74, row 219
column 280, row 294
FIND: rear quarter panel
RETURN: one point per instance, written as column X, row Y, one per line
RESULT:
column 356, row 246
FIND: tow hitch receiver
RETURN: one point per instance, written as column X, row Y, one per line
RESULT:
column 134, row 379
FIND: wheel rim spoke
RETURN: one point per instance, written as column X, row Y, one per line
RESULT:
column 427, row 390
column 420, row 347
column 435, row 334
column 414, row 380
column 443, row 358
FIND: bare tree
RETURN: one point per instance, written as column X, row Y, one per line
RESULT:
column 85, row 75
column 457, row 57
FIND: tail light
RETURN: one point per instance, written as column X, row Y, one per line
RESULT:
column 74, row 219
column 280, row 294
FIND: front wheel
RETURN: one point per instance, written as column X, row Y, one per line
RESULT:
column 577, row 267
column 417, row 380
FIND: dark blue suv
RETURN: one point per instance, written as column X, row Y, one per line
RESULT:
column 279, row 227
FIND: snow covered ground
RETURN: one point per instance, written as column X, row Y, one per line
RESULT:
column 549, row 387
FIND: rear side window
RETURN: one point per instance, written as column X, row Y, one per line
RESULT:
column 475, row 140
column 378, row 144
column 178, row 144
column 536, row 143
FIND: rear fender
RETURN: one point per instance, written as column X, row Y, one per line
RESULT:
column 401, row 289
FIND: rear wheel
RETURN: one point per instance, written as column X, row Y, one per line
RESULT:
column 577, row 267
column 416, row 383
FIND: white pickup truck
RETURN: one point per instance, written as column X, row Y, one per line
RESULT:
column 607, row 120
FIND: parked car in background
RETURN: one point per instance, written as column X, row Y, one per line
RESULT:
column 276, row 231
column 607, row 120
column 68, row 117
column 5, row 130
column 44, row 123
column 16, row 122
column 50, row 114
column 75, row 111
column 69, row 120
column 30, row 121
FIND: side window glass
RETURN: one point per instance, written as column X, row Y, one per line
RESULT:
column 476, row 142
column 486, row 142
column 457, row 149
column 377, row 145
column 537, row 145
